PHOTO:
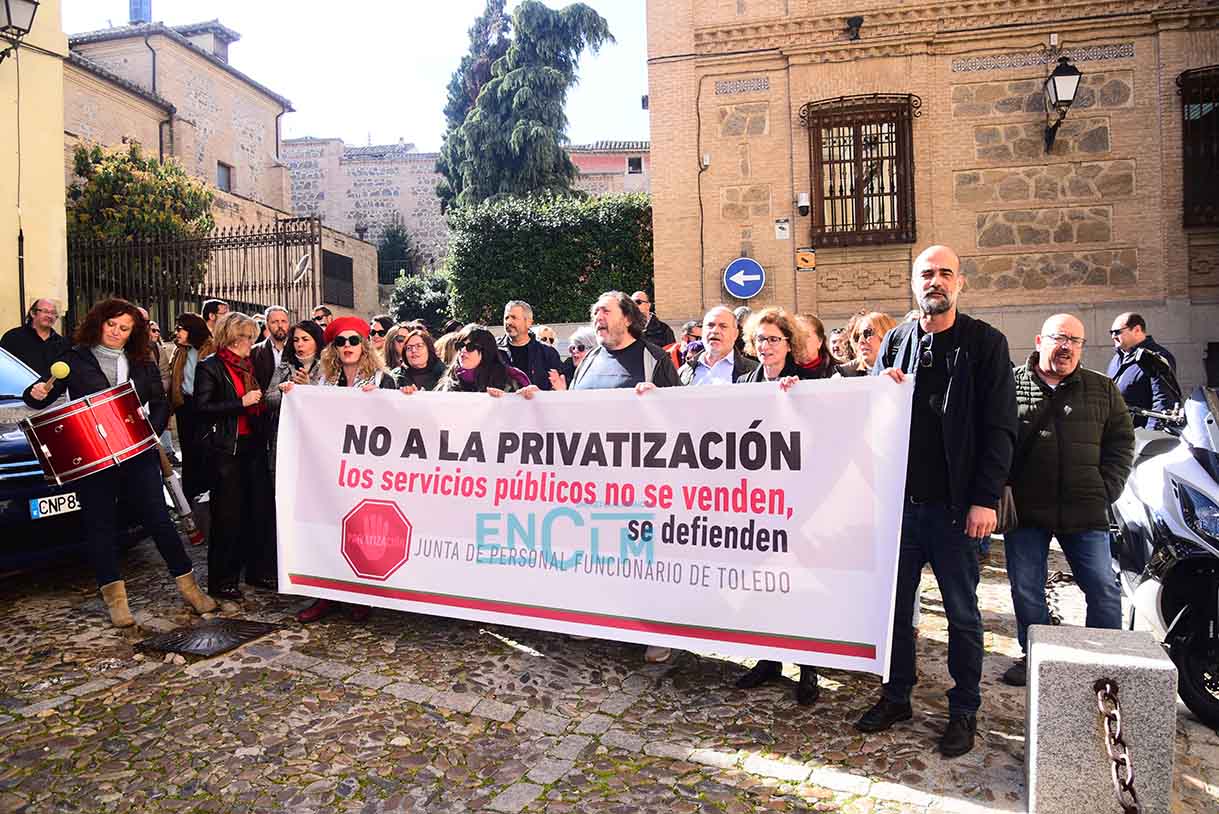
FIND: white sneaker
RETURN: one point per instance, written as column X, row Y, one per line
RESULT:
column 656, row 655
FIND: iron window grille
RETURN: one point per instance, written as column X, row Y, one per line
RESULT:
column 1199, row 90
column 861, row 164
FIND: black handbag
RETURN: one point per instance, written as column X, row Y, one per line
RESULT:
column 1007, row 518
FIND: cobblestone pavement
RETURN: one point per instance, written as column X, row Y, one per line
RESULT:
column 411, row 713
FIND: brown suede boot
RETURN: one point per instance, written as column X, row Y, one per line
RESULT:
column 115, row 596
column 199, row 601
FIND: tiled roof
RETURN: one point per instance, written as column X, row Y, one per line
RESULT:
column 86, row 64
column 147, row 29
column 213, row 26
column 611, row 147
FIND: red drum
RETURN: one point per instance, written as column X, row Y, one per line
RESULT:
column 90, row 434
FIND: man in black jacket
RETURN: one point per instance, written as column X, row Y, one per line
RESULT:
column 268, row 353
column 522, row 350
column 657, row 332
column 1138, row 387
column 1073, row 455
column 962, row 430
column 35, row 342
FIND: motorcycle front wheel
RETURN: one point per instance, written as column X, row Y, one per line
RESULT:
column 1197, row 661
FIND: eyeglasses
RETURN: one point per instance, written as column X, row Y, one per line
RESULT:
column 340, row 341
column 375, row 332
column 549, row 340
column 768, row 340
column 574, row 348
column 153, row 329
column 468, row 347
column 864, row 335
column 642, row 301
column 416, row 347
column 1116, row 332
column 1065, row 339
column 320, row 318
column 48, row 311
column 398, row 340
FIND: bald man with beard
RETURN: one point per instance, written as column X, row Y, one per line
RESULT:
column 1073, row 455
column 962, row 428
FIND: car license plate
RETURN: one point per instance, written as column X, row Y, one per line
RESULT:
column 54, row 504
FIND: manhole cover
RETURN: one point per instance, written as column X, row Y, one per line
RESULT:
column 210, row 638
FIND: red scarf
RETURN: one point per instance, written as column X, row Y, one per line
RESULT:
column 242, row 371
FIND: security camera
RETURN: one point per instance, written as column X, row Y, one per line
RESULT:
column 802, row 205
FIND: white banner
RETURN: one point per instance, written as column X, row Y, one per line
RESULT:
column 741, row 520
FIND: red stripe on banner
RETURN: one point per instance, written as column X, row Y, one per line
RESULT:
column 854, row 650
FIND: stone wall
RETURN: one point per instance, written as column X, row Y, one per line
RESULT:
column 1092, row 225
column 97, row 111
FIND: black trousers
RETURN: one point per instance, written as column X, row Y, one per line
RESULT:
column 134, row 486
column 194, row 460
column 240, row 513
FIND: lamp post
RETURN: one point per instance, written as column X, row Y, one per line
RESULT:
column 16, row 20
column 1060, row 89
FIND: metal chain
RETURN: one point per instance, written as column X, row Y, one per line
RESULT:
column 1122, row 769
column 1051, row 594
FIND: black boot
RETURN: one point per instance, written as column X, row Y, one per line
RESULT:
column 884, row 714
column 958, row 736
column 808, row 690
column 761, row 673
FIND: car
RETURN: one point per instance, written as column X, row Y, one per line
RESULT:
column 39, row 520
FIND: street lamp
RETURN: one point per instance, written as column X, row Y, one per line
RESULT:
column 1060, row 89
column 16, row 20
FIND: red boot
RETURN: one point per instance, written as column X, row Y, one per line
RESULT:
column 318, row 610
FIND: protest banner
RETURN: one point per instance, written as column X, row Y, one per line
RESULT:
column 736, row 520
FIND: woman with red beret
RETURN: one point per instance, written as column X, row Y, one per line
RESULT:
column 348, row 360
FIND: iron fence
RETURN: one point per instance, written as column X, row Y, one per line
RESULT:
column 249, row 267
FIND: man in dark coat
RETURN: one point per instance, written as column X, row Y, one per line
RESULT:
column 1138, row 387
column 267, row 354
column 718, row 362
column 962, row 428
column 521, row 349
column 35, row 341
column 1070, row 464
column 655, row 331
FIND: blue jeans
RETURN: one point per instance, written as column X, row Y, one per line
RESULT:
column 934, row 533
column 1088, row 553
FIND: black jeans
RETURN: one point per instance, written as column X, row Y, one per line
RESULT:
column 136, row 486
column 933, row 533
column 240, row 509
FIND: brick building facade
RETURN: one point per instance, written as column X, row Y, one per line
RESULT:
column 748, row 116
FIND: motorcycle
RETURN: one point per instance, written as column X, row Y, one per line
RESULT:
column 1165, row 537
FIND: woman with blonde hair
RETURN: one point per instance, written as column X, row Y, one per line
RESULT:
column 867, row 333
column 228, row 402
column 446, row 347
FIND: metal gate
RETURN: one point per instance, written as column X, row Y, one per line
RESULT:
column 249, row 267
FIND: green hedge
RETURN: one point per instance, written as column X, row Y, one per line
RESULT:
column 556, row 253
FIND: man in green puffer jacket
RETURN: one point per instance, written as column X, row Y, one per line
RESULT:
column 1064, row 479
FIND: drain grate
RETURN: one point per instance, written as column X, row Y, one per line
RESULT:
column 210, row 638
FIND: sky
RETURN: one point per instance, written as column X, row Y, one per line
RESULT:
column 377, row 71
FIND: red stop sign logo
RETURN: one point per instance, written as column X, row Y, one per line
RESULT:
column 376, row 539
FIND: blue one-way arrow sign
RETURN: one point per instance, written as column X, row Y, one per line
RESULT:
column 744, row 278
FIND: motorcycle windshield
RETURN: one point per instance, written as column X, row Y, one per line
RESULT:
column 1201, row 430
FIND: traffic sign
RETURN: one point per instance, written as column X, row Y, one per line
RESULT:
column 744, row 278
column 376, row 539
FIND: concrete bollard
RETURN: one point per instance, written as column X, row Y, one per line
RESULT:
column 1067, row 768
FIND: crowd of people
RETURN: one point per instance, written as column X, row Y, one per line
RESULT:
column 1055, row 437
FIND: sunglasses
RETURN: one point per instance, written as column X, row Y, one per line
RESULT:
column 1118, row 332
column 643, row 302
column 925, row 357
column 548, row 340
column 866, row 333
column 576, row 348
column 377, row 333
column 398, row 340
column 469, row 347
column 340, row 341
column 319, row 319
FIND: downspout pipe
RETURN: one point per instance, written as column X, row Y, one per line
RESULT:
column 154, row 61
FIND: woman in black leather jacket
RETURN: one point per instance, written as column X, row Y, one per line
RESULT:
column 112, row 348
column 229, row 408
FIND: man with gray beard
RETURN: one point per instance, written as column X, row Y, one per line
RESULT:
column 962, row 430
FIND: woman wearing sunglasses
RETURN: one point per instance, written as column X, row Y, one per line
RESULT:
column 421, row 368
column 378, row 332
column 867, row 333
column 479, row 368
column 581, row 342
column 348, row 360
